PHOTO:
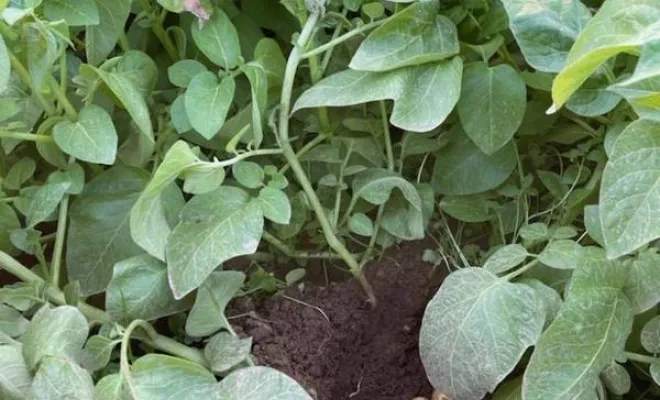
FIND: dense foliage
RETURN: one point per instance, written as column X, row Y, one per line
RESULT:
column 145, row 143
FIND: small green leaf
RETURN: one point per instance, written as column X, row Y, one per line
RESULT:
column 593, row 98
column 225, row 350
column 15, row 378
column 161, row 377
column 5, row 66
column 45, row 202
column 642, row 283
column 203, row 179
column 375, row 185
column 74, row 12
column 61, row 379
column 248, row 174
column 275, row 205
column 139, row 289
column 506, row 258
column 212, row 299
column 492, row 104
column 616, row 379
column 416, row 35
column 214, row 228
column 100, row 349
column 218, row 40
column 592, row 224
column 294, row 276
column 57, row 332
column 654, row 370
column 12, row 321
column 110, row 387
column 536, row 232
column 20, row 173
column 361, row 224
column 42, row 51
column 207, row 102
column 73, row 174
column 182, row 72
column 475, row 208
column 562, row 254
column 92, row 138
column 8, row 222
column 256, row 74
column 101, row 39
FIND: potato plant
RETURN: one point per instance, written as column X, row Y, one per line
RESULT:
column 146, row 143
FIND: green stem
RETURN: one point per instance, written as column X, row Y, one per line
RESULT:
column 337, row 209
column 289, row 153
column 296, row 254
column 343, row 38
column 123, row 43
column 56, row 264
column 159, row 31
column 69, row 109
column 253, row 153
column 315, row 76
column 23, row 73
column 31, row 137
column 327, row 56
column 124, row 365
column 641, row 358
column 7, row 32
column 520, row 270
column 306, row 148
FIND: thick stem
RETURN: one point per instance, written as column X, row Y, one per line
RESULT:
column 289, row 153
column 343, row 38
column 520, row 270
column 306, row 148
column 31, row 137
column 641, row 358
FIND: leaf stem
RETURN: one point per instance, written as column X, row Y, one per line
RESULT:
column 296, row 254
column 520, row 270
column 305, row 149
column 243, row 156
column 56, row 263
column 159, row 31
column 31, row 137
column 334, row 42
column 641, row 358
column 289, row 153
column 340, row 183
column 60, row 95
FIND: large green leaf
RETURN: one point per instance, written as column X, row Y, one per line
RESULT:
column 619, row 26
column 207, row 102
column 461, row 168
column 589, row 332
column 492, row 104
column 74, row 12
column 208, row 314
column 57, row 332
column 101, row 39
column 593, row 98
column 639, row 134
column 92, row 138
column 423, row 95
column 15, row 378
column 416, row 35
column 150, row 225
column 259, row 383
column 99, row 234
column 218, row 40
column 546, row 29
column 214, row 227
column 474, row 331
column 160, row 377
column 139, row 290
column 642, row 285
column 61, row 379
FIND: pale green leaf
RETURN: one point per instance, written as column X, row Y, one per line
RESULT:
column 589, row 332
column 423, row 95
column 8, row 222
column 616, row 379
column 92, row 138
column 269, row 54
column 203, row 179
column 537, row 231
column 45, row 201
column 182, row 72
column 57, row 332
column 549, row 298
column 562, row 254
column 475, row 208
column 259, row 383
column 256, row 74
column 42, row 51
column 61, row 379
column 416, row 35
column 207, row 102
column 475, row 330
column 99, row 233
column 248, row 174
column 100, row 348
column 361, row 224
column 208, row 314
column 15, row 378
column 101, row 39
column 639, row 134
column 161, row 377
column 492, row 104
column 149, row 224
column 218, row 40
column 74, row 174
column 139, row 289
column 592, row 223
column 110, row 387
column 5, row 66
column 375, row 185
column 650, row 336
column 402, row 219
column 593, row 98
column 12, row 321
column 19, row 173
column 225, row 350
column 74, row 12
column 654, row 370
column 178, row 115
column 275, row 205
column 546, row 29
column 642, row 284
column 506, row 258
column 214, row 228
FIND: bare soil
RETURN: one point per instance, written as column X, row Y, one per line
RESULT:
column 357, row 353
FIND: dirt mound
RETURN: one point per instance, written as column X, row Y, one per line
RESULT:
column 336, row 345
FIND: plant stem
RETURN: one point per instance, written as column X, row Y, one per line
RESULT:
column 641, row 358
column 159, row 31
column 56, row 263
column 69, row 109
column 520, row 270
column 18, row 67
column 240, row 157
column 31, row 137
column 343, row 38
column 289, row 153
column 315, row 75
column 340, row 183
column 306, row 148
column 296, row 254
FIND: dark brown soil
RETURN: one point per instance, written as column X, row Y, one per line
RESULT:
column 360, row 353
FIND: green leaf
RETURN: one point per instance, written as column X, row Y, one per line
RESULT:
column 550, row 299
column 99, row 231
column 150, row 226
column 73, row 174
column 42, row 51
column 74, row 12
column 100, row 349
column 654, row 370
column 160, row 377
column 402, row 219
column 510, row 390
column 92, row 138
column 225, row 350
column 630, row 201
column 473, row 314
column 617, row 27
column 423, row 95
column 506, row 258
column 101, row 39
column 589, row 332
column 361, row 224
column 546, row 31
column 562, row 254
column 181, row 73
column 616, row 379
column 642, row 283
column 110, row 387
column 535, row 232
column 58, row 332
column 20, row 173
column 416, row 35
column 492, row 104
column 8, row 222
column 207, row 102
column 45, row 202
column 208, row 314
column 256, row 74
column 269, row 55
column 12, row 322
column 5, row 66
column 375, row 185
column 593, row 98
column 172, row 5
column 476, row 208
column 218, row 40
column 15, row 378
column 214, row 228
column 203, row 179
column 639, row 134
column 248, row 174
column 650, row 335
column 275, row 205
column 139, row 289
column 61, row 379
column 592, row 224
column 461, row 168
column 271, row 385
column 138, row 68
